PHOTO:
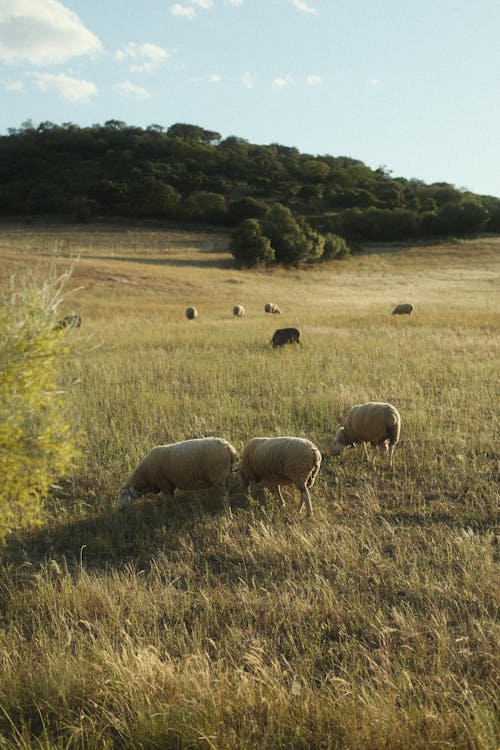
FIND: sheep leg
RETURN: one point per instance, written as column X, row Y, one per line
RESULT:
column 223, row 490
column 365, row 452
column 391, row 451
column 281, row 497
column 305, row 501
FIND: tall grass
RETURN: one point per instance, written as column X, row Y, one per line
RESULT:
column 374, row 624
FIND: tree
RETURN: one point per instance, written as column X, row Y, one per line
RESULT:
column 249, row 246
column 205, row 206
column 290, row 243
column 36, row 441
column 336, row 247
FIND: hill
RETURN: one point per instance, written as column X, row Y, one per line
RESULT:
column 187, row 173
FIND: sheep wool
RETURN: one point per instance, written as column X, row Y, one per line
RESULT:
column 281, row 461
column 373, row 422
column 189, row 465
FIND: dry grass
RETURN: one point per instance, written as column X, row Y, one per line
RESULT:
column 372, row 625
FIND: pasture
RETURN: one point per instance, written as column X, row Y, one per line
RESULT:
column 374, row 624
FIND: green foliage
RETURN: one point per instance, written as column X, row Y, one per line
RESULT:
column 205, row 206
column 291, row 243
column 36, row 440
column 187, row 172
column 336, row 247
column 250, row 247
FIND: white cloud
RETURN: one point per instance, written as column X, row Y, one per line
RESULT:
column 375, row 82
column 42, row 32
column 303, row 7
column 182, row 11
column 280, row 82
column 132, row 91
column 313, row 80
column 190, row 7
column 14, row 85
column 151, row 55
column 72, row 89
column 248, row 80
column 212, row 78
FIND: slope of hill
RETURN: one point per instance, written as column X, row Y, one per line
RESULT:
column 186, row 172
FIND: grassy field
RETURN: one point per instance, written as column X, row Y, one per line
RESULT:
column 372, row 625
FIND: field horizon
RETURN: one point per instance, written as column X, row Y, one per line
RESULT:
column 374, row 624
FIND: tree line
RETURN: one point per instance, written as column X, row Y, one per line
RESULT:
column 187, row 173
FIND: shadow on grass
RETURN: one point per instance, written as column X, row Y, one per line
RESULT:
column 198, row 262
column 109, row 539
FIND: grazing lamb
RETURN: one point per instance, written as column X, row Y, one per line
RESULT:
column 373, row 422
column 191, row 313
column 189, row 465
column 270, row 307
column 70, row 321
column 285, row 336
column 238, row 311
column 281, row 461
column 405, row 308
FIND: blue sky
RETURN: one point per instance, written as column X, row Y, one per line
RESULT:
column 411, row 86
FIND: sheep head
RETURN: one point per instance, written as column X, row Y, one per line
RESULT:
column 340, row 442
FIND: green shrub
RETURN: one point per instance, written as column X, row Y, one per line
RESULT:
column 335, row 247
column 36, row 440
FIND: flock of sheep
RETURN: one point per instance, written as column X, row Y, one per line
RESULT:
column 201, row 463
column 207, row 462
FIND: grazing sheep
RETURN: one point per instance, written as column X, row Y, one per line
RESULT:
column 270, row 307
column 285, row 336
column 405, row 308
column 70, row 321
column 373, row 422
column 189, row 465
column 238, row 311
column 191, row 313
column 281, row 461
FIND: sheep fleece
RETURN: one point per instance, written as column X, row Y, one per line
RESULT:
column 281, row 460
column 188, row 465
column 373, row 422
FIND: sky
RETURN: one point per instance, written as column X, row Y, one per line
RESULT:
column 410, row 86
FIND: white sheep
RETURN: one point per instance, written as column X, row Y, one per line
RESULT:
column 281, row 461
column 191, row 313
column 271, row 307
column 374, row 422
column 189, row 465
column 238, row 311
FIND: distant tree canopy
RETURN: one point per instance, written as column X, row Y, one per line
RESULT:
column 187, row 173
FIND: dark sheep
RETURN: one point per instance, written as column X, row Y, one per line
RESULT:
column 405, row 308
column 285, row 336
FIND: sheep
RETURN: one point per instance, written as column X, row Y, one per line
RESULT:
column 405, row 308
column 238, row 311
column 70, row 321
column 191, row 313
column 189, row 465
column 373, row 422
column 281, row 461
column 270, row 307
column 285, row 336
